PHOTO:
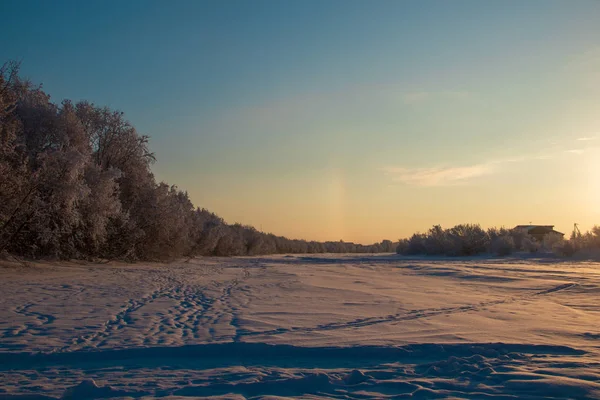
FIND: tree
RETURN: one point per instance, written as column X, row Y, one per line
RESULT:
column 77, row 182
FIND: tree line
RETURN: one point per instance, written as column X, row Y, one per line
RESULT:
column 76, row 182
column 472, row 239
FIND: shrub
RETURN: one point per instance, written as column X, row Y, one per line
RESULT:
column 461, row 240
column 402, row 246
column 566, row 248
column 416, row 244
column 529, row 244
column 467, row 240
column 520, row 238
column 502, row 245
column 437, row 241
column 551, row 240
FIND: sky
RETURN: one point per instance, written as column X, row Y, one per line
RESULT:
column 353, row 120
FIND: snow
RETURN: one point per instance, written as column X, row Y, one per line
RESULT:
column 381, row 326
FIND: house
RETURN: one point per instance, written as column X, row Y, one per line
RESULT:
column 539, row 232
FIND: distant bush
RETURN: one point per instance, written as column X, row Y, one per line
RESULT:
column 467, row 240
column 551, row 240
column 471, row 239
column 585, row 246
column 402, row 247
column 460, row 240
column 502, row 245
column 436, row 241
column 530, row 244
column 464, row 240
column 413, row 246
column 564, row 248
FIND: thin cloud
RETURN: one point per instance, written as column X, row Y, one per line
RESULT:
column 440, row 176
column 453, row 175
column 462, row 175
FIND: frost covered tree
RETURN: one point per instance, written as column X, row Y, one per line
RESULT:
column 77, row 182
column 15, row 186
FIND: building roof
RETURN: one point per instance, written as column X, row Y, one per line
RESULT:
column 534, row 226
column 539, row 229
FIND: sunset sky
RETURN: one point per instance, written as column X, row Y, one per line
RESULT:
column 353, row 120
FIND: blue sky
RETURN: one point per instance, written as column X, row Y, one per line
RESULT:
column 346, row 120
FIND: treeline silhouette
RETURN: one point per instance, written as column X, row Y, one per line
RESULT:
column 75, row 182
column 472, row 239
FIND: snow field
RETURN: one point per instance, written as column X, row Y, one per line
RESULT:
column 326, row 326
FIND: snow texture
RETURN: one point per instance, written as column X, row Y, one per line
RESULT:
column 301, row 327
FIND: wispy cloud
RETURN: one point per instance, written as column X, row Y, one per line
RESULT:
column 454, row 175
column 462, row 175
column 439, row 176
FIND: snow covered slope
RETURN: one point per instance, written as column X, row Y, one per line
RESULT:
column 303, row 327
